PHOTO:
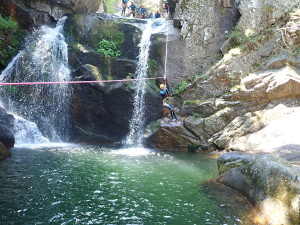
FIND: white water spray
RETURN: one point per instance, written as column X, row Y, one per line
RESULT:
column 137, row 121
column 45, row 107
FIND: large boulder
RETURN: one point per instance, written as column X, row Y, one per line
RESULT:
column 7, row 139
column 272, row 185
column 102, row 111
column 172, row 136
column 28, row 12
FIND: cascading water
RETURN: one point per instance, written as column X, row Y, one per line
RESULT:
column 137, row 121
column 44, row 59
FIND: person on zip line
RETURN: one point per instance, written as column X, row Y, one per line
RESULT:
column 165, row 93
column 124, row 6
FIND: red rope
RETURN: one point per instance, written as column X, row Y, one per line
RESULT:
column 78, row 82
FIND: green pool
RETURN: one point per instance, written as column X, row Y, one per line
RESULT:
column 75, row 184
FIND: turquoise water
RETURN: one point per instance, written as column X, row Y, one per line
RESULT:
column 97, row 185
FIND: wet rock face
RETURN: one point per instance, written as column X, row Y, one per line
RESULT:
column 29, row 12
column 7, row 138
column 101, row 111
column 271, row 184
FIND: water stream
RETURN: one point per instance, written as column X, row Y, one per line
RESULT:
column 137, row 121
column 44, row 58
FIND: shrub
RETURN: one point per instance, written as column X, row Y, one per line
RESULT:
column 197, row 115
column 109, row 48
column 182, row 86
column 10, row 36
column 8, row 24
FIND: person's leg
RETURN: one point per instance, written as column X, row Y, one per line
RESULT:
column 174, row 115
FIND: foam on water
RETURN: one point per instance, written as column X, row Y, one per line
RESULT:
column 138, row 151
column 46, row 145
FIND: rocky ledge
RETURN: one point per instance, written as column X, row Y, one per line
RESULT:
column 271, row 184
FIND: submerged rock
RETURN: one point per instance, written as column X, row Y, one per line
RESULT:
column 4, row 153
column 272, row 185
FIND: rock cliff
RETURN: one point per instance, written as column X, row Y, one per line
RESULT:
column 29, row 12
column 101, row 112
column 250, row 93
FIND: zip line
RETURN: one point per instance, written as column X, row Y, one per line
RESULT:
column 78, row 82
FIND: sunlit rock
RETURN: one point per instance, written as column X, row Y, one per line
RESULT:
column 271, row 184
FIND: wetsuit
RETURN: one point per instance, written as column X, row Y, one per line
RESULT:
column 143, row 13
column 157, row 15
column 124, row 6
column 167, row 103
column 132, row 7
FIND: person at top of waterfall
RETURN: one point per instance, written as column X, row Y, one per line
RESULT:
column 124, row 6
column 166, row 6
column 150, row 15
column 143, row 12
column 165, row 93
column 132, row 8
column 157, row 14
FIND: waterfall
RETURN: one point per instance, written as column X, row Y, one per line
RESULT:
column 137, row 121
column 43, row 59
column 24, row 129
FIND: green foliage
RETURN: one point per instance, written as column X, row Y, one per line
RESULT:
column 196, row 77
column 109, row 48
column 109, row 6
column 237, row 38
column 8, row 24
column 152, row 67
column 196, row 115
column 110, row 30
column 10, row 36
column 111, row 41
column 182, row 86
column 192, row 102
column 12, row 89
column 119, row 37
